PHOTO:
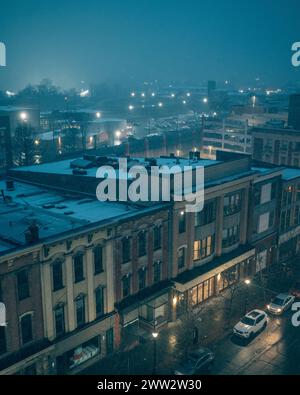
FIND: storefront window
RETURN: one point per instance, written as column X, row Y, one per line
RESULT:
column 83, row 353
column 229, row 277
column 202, row 291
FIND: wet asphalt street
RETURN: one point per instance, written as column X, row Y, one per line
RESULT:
column 274, row 351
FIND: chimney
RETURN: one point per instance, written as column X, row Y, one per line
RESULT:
column 32, row 233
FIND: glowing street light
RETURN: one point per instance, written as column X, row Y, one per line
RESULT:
column 173, row 95
column 253, row 101
column 155, row 336
column 205, row 100
column 153, row 94
column 131, row 108
column 98, row 114
column 160, row 104
column 23, row 116
column 184, row 102
column 188, row 94
column 143, row 94
column 247, row 281
column 132, row 94
column 36, row 142
column 118, row 134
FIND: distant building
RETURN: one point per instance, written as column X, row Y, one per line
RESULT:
column 294, row 112
column 211, row 88
column 277, row 146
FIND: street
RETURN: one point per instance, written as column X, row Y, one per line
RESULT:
column 276, row 350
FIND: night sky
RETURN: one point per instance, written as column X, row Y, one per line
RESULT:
column 130, row 41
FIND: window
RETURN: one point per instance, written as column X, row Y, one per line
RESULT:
column 271, row 219
column 202, row 291
column 266, row 192
column 110, row 341
column 142, row 243
column 157, row 271
column 2, row 340
column 78, row 268
column 229, row 277
column 263, row 222
column 181, row 223
column 99, row 298
column 98, row 259
column 297, row 215
column 273, row 190
column 203, row 248
column 59, row 318
column 282, row 221
column 261, row 260
column 231, row 236
column 80, row 310
column 126, row 247
column 298, row 192
column 181, row 258
column 288, row 219
column 157, row 238
column 26, row 328
column 126, row 280
column 207, row 215
column 232, row 203
column 142, row 278
column 257, row 193
column 23, row 284
column 57, row 276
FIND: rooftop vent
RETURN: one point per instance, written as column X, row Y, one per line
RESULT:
column 79, row 172
column 81, row 164
column 48, row 205
column 10, row 185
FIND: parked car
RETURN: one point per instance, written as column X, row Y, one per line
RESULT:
column 280, row 303
column 197, row 361
column 250, row 324
column 295, row 290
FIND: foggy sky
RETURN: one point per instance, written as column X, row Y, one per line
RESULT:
column 131, row 41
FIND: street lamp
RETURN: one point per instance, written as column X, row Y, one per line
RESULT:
column 155, row 336
column 205, row 100
column 98, row 114
column 247, row 282
column 131, row 108
column 23, row 116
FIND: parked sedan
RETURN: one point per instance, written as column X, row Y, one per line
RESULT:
column 197, row 361
column 280, row 304
column 251, row 324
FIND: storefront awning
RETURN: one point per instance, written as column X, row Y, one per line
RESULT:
column 200, row 274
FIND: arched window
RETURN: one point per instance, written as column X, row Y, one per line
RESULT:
column 80, row 310
column 26, row 328
column 78, row 267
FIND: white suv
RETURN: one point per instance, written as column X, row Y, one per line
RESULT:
column 252, row 323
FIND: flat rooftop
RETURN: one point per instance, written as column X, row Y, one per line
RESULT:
column 63, row 167
column 54, row 213
column 290, row 174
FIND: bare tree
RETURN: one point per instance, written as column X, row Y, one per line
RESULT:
column 24, row 148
